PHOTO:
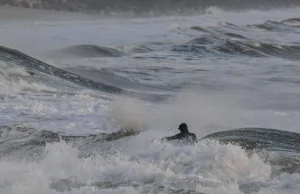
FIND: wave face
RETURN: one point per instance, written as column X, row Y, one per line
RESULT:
column 18, row 58
column 85, row 100
column 15, row 57
column 89, row 51
column 142, row 6
column 251, row 138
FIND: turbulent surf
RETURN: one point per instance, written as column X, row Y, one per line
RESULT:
column 85, row 99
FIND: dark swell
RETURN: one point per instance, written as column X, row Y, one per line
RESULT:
column 259, row 138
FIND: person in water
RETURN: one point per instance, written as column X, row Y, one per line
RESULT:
column 184, row 136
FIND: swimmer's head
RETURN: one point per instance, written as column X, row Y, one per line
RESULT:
column 183, row 128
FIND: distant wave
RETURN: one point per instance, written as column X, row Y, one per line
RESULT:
column 95, row 51
column 291, row 25
column 140, row 6
column 287, row 25
column 292, row 22
column 242, row 46
column 87, row 51
column 216, row 41
column 141, row 49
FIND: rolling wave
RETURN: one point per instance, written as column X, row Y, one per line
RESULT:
column 15, row 57
column 141, row 49
column 241, row 46
column 95, row 51
column 87, row 51
column 289, row 25
column 216, row 40
column 285, row 25
column 295, row 22
column 226, row 39
column 268, row 26
column 18, row 58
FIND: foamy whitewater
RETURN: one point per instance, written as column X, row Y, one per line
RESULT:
column 85, row 100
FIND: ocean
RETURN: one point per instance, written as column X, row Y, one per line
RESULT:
column 86, row 98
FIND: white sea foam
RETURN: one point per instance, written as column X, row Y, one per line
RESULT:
column 11, row 80
column 16, row 72
column 206, row 167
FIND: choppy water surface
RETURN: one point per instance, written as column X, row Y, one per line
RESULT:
column 84, row 101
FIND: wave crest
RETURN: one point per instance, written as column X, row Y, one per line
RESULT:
column 87, row 51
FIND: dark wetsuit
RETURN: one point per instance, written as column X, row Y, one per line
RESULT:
column 184, row 136
column 187, row 138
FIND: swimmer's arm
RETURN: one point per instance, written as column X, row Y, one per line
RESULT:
column 172, row 137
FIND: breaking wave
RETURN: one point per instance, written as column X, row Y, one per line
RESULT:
column 295, row 22
column 208, row 166
column 25, row 142
column 16, row 58
column 62, row 171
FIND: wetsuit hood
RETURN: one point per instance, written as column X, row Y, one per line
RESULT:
column 183, row 128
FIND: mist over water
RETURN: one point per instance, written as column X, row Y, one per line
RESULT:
column 85, row 99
